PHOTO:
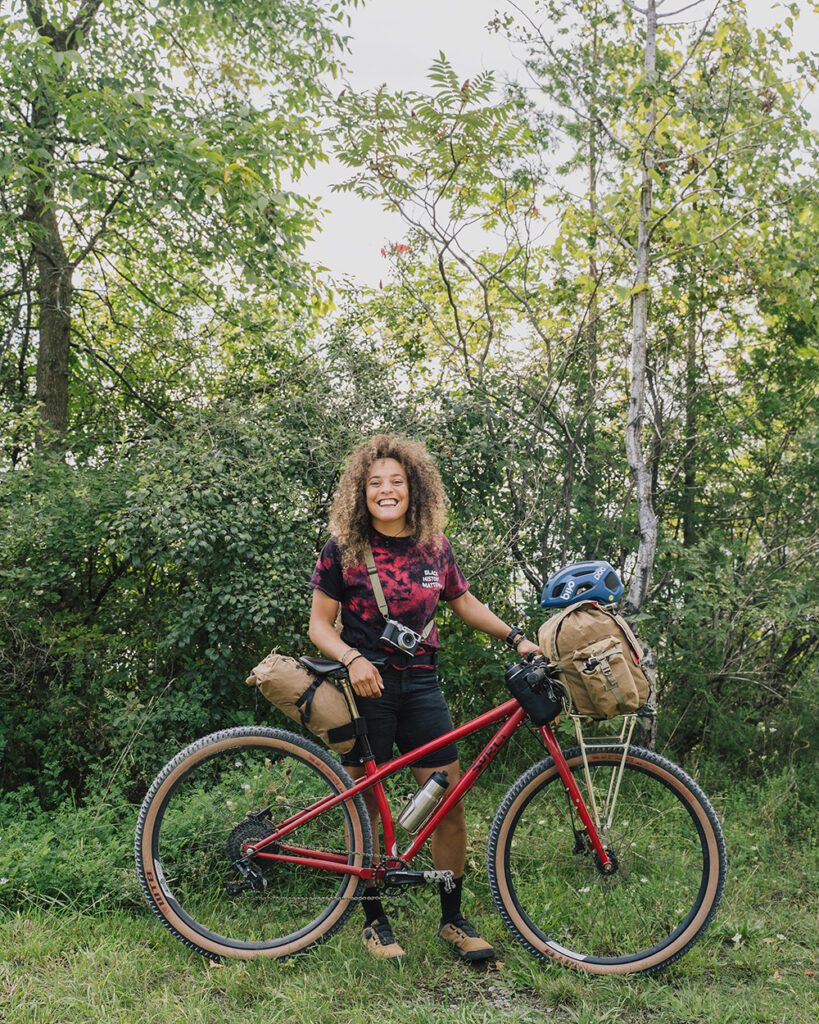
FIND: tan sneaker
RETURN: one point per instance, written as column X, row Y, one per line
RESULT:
column 463, row 935
column 379, row 941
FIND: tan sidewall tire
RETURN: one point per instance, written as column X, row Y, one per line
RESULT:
column 656, row 766
column 277, row 739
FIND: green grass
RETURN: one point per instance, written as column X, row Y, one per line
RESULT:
column 63, row 962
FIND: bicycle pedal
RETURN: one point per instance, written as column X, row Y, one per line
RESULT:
column 401, row 877
column 445, row 877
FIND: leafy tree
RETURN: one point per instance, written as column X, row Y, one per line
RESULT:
column 147, row 146
column 673, row 162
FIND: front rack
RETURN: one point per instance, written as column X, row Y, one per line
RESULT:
column 604, row 822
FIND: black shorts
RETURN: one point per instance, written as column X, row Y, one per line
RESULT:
column 411, row 711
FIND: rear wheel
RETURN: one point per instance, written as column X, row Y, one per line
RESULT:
column 226, row 791
column 664, row 840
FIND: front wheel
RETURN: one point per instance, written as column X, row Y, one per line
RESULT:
column 663, row 838
column 229, row 790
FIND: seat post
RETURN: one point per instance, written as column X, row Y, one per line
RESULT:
column 349, row 696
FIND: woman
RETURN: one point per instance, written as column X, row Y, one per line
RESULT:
column 391, row 498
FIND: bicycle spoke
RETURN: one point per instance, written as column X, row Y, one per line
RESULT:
column 211, row 816
column 653, row 843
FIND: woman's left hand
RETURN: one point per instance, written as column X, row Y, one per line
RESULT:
column 527, row 647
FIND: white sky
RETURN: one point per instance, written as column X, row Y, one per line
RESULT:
column 394, row 42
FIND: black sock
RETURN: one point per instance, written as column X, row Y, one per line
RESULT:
column 373, row 908
column 451, row 901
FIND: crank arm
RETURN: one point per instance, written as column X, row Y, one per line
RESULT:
column 401, row 878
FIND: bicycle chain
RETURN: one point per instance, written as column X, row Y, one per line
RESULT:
column 384, row 895
column 324, row 899
column 329, row 899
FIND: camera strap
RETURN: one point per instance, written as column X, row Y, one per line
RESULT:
column 378, row 590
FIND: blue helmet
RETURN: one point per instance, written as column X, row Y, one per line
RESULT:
column 582, row 581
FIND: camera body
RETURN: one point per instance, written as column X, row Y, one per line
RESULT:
column 401, row 637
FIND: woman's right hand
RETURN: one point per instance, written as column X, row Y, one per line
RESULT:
column 365, row 678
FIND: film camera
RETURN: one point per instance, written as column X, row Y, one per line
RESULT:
column 402, row 638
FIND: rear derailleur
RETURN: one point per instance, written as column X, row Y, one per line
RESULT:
column 252, row 830
column 254, row 879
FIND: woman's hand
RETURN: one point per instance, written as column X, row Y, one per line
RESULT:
column 527, row 647
column 365, row 678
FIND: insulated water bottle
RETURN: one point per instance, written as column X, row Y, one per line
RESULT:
column 421, row 804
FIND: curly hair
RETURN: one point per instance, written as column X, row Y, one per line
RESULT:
column 349, row 516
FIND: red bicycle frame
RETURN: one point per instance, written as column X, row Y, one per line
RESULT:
column 510, row 713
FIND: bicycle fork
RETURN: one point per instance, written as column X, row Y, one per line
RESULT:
column 592, row 826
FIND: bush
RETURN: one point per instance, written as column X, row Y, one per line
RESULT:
column 136, row 594
column 72, row 856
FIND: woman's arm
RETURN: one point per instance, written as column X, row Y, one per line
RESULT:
column 364, row 676
column 478, row 616
column 321, row 630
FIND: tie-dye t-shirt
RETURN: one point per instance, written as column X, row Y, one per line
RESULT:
column 414, row 580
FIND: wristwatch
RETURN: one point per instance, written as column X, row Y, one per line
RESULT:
column 515, row 636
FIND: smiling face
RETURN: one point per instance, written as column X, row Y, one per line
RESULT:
column 388, row 496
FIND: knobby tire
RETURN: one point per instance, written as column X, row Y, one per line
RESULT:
column 200, row 809
column 671, row 865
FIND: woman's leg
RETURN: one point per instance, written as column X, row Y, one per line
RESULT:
column 449, row 854
column 377, row 936
column 357, row 771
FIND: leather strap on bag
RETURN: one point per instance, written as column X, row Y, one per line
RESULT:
column 378, row 590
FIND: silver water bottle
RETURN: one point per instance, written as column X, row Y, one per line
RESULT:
column 421, row 804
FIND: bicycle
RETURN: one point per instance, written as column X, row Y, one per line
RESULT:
column 255, row 841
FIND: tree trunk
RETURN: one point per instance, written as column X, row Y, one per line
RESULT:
column 589, row 438
column 689, row 463
column 640, row 470
column 54, row 269
column 646, row 732
column 54, row 291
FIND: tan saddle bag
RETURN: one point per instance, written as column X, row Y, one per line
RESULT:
column 598, row 658
column 316, row 704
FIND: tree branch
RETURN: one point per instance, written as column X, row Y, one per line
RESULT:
column 79, row 23
column 123, row 379
column 671, row 14
column 36, row 13
column 92, row 241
